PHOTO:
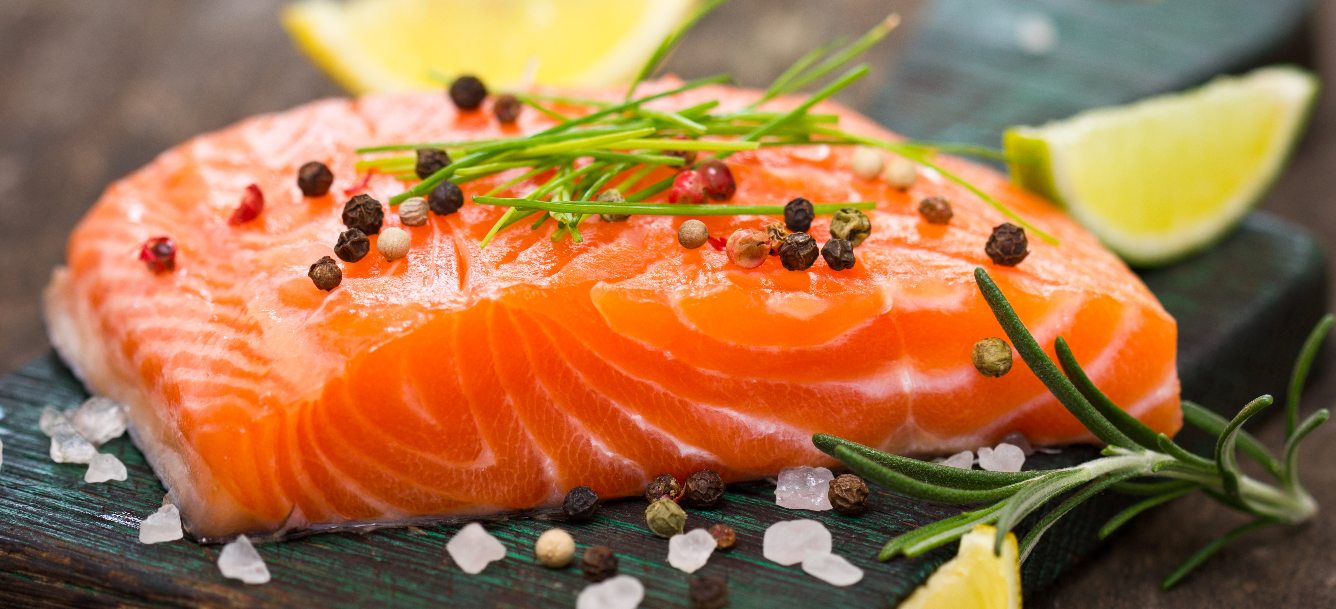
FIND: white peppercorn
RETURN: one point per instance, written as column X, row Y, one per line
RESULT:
column 554, row 549
column 413, row 212
column 393, row 243
column 901, row 173
column 867, row 163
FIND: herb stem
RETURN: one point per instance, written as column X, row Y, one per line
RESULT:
column 659, row 209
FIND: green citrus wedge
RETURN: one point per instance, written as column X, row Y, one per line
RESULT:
column 1164, row 177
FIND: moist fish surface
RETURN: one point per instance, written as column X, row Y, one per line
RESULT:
column 460, row 381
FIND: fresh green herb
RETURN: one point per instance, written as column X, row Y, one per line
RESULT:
column 669, row 43
column 1136, row 460
column 660, row 209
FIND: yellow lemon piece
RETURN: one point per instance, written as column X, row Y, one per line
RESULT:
column 1161, row 178
column 404, row 45
column 976, row 578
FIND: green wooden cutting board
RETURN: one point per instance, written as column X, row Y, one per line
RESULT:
column 1243, row 309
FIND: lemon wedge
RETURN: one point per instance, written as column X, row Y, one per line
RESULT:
column 404, row 45
column 976, row 578
column 1159, row 179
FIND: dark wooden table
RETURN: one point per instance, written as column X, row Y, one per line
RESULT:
column 90, row 91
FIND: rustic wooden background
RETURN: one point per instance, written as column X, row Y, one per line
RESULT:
column 90, row 91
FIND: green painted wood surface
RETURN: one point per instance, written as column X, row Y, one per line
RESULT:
column 1243, row 308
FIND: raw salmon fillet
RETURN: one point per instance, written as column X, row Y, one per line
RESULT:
column 462, row 381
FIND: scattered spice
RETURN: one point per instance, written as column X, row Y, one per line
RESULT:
column 360, row 186
column 665, row 518
column 393, row 243
column 252, row 203
column 692, row 234
column 467, row 92
column 798, row 252
column 708, row 592
column 901, row 173
column 159, row 254
column 363, row 213
column 445, row 199
column 798, row 215
column 413, row 212
column 554, row 549
column 775, row 232
column 724, row 535
column 848, row 494
column 598, row 563
column 718, row 178
column 991, row 357
column 852, row 225
column 867, row 163
column 1007, row 246
column 748, row 248
column 704, row 488
column 839, row 254
column 352, row 245
column 314, row 179
column 688, row 187
column 581, row 503
column 612, row 195
column 718, row 243
column 325, row 274
column 507, row 108
column 663, row 485
column 430, row 161
column 688, row 156
column 935, row 210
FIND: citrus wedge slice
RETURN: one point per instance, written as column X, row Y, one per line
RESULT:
column 401, row 45
column 976, row 578
column 1159, row 179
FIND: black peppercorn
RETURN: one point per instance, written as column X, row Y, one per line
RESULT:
column 851, row 225
column 598, row 563
column 507, row 108
column 935, row 210
column 708, row 592
column 363, row 213
column 467, row 92
column 1007, row 246
column 429, row 161
column 798, row 251
column 704, row 488
column 314, row 179
column 724, row 536
column 445, row 199
column 839, row 254
column 848, row 494
column 798, row 215
column 665, row 485
column 325, row 273
column 352, row 245
column 580, row 504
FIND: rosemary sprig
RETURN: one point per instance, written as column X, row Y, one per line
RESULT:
column 1136, row 460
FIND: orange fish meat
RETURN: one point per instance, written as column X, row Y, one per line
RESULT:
column 460, row 381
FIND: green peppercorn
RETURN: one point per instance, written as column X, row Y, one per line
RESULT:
column 708, row 592
column 663, row 485
column 429, row 161
column 775, row 233
column 1007, row 246
column 851, row 225
column 363, row 213
column 665, row 518
column 445, row 199
column 798, row 215
column 991, row 357
column 612, row 195
column 467, row 92
column 798, row 251
column 314, row 179
column 692, row 234
column 935, row 210
column 507, row 108
column 704, row 488
column 581, row 503
column 352, row 245
column 839, row 254
column 598, row 563
column 325, row 273
column 724, row 536
column 848, row 494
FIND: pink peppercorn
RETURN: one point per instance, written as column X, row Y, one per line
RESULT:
column 718, row 179
column 748, row 248
column 688, row 187
column 252, row 203
column 159, row 254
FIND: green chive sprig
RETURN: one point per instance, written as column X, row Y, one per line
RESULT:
column 1137, row 461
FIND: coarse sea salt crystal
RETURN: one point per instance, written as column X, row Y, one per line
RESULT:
column 49, row 419
column 473, row 548
column 1001, row 458
column 1019, row 440
column 804, row 488
column 690, row 551
column 162, row 525
column 239, row 560
column 67, row 446
column 104, row 467
column 620, row 592
column 789, row 542
column 99, row 420
column 832, row 569
column 961, row 460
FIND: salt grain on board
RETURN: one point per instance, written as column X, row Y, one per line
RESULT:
column 1001, row 458
column 832, row 569
column 961, row 460
column 789, row 542
column 239, row 560
column 620, row 592
column 67, row 446
column 162, row 525
column 104, row 467
column 99, row 420
column 690, row 551
column 1019, row 440
column 804, row 488
column 473, row 548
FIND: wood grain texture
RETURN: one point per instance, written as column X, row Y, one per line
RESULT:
column 93, row 90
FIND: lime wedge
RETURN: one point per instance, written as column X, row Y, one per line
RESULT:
column 1164, row 177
